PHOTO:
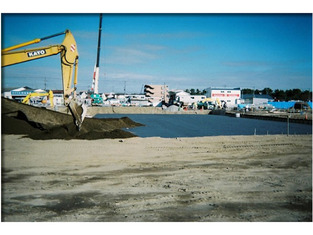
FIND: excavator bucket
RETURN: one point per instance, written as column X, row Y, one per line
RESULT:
column 78, row 113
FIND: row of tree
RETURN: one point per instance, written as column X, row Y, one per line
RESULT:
column 278, row 95
column 282, row 95
column 193, row 91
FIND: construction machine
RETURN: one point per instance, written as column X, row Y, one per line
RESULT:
column 209, row 103
column 96, row 99
column 37, row 94
column 69, row 65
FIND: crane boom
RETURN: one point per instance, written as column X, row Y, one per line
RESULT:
column 95, row 80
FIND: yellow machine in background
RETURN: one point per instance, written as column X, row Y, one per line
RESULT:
column 69, row 60
column 209, row 103
column 36, row 94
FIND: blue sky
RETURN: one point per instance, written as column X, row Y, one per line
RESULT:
column 181, row 50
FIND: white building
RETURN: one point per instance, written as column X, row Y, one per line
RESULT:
column 138, row 100
column 58, row 98
column 20, row 93
column 229, row 95
column 255, row 100
column 186, row 99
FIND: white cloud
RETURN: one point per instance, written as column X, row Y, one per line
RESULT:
column 136, row 76
column 133, row 54
column 174, row 35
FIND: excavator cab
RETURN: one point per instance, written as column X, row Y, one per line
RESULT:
column 69, row 66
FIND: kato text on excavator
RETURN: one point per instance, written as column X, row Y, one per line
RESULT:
column 69, row 63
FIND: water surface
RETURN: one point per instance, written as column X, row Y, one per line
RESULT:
column 179, row 125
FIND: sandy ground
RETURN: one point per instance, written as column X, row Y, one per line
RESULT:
column 235, row 178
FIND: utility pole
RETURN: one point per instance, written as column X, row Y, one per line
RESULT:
column 164, row 92
column 287, row 124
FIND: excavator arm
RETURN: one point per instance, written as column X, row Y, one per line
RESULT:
column 69, row 66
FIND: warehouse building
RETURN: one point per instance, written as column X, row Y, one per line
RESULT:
column 231, row 96
column 185, row 99
column 256, row 100
column 20, row 93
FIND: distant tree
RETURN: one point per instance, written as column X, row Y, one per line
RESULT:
column 246, row 91
column 306, row 95
column 197, row 91
column 289, row 95
column 267, row 91
column 279, row 95
column 296, row 94
column 257, row 92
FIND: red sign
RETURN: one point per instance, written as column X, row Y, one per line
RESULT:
column 221, row 95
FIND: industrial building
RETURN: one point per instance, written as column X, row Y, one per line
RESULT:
column 256, row 99
column 231, row 96
column 19, row 93
column 185, row 99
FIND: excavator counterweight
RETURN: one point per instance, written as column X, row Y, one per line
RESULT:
column 69, row 66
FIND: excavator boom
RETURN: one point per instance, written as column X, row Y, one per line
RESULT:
column 69, row 66
column 36, row 94
column 17, row 57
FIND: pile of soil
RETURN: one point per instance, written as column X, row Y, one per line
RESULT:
column 42, row 124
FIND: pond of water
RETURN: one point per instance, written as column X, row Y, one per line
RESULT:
column 171, row 126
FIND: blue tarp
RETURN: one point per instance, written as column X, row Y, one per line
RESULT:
column 310, row 104
column 241, row 106
column 282, row 105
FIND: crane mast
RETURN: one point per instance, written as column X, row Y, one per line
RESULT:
column 95, row 80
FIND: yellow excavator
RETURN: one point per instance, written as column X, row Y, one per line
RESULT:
column 69, row 63
column 209, row 103
column 36, row 94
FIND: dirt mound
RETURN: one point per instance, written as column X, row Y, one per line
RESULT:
column 38, row 123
